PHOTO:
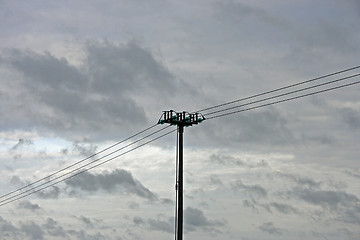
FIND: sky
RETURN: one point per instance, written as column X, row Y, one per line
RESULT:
column 79, row 76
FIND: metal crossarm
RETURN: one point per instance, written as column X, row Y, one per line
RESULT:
column 181, row 118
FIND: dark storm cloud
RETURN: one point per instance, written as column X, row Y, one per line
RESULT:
column 255, row 190
column 110, row 181
column 93, row 100
column 270, row 228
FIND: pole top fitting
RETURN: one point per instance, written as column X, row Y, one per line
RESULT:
column 181, row 118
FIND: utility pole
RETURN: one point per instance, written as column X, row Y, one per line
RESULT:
column 181, row 119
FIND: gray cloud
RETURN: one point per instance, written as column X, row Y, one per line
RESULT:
column 229, row 160
column 87, row 221
column 327, row 199
column 32, row 230
column 283, row 208
column 255, row 190
column 159, row 225
column 85, row 150
column 82, row 235
column 226, row 160
column 269, row 207
column 110, row 181
column 22, row 142
column 194, row 218
column 351, row 215
column 138, row 221
column 93, row 100
column 53, row 228
column 267, row 127
column 215, row 180
column 350, row 117
column 8, row 230
column 17, row 181
column 256, row 206
column 270, row 228
column 299, row 180
column 52, row 192
column 29, row 206
column 133, row 205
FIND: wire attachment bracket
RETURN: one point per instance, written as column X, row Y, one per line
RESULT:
column 184, row 118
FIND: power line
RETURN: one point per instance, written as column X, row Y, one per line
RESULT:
column 279, row 89
column 86, row 170
column 35, row 190
column 282, row 95
column 78, row 162
column 78, row 168
column 283, row 100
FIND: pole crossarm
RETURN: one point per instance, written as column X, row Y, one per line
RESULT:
column 184, row 118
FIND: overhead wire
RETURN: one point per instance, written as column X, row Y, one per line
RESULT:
column 281, row 95
column 78, row 162
column 284, row 100
column 279, row 89
column 78, row 168
column 218, row 113
column 87, row 169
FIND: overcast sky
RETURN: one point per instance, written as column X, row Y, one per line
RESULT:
column 78, row 76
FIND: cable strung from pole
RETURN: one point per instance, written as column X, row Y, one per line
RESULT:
column 284, row 100
column 76, row 163
column 79, row 168
column 220, row 114
column 88, row 169
column 281, row 95
column 279, row 89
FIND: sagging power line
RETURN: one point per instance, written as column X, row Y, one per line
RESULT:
column 80, row 170
column 279, row 89
column 48, row 182
column 288, row 93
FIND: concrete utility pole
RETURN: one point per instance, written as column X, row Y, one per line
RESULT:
column 181, row 119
